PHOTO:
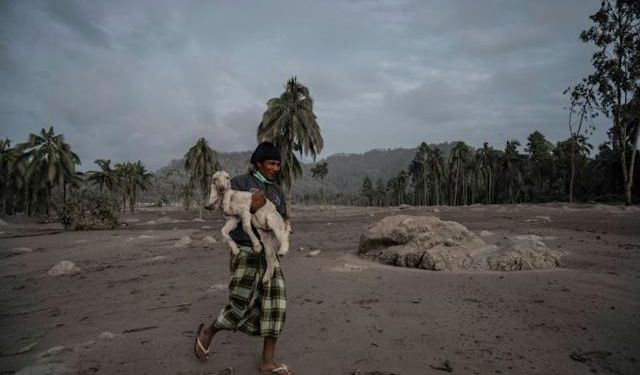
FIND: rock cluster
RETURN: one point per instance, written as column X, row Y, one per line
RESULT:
column 429, row 243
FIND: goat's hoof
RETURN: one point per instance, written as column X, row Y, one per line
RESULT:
column 235, row 251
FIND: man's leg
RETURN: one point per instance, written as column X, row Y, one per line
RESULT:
column 268, row 362
column 268, row 351
column 205, row 337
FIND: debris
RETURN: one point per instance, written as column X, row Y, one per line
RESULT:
column 209, row 241
column 64, row 268
column 106, row 335
column 183, row 242
column 314, row 253
column 446, row 366
column 139, row 329
column 169, row 307
column 54, row 351
column 27, row 348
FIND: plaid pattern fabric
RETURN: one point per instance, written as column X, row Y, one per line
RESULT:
column 253, row 308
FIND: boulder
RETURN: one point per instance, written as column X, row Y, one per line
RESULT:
column 524, row 253
column 429, row 243
column 64, row 268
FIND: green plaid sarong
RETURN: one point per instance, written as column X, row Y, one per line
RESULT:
column 253, row 308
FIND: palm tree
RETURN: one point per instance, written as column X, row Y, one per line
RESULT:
column 512, row 170
column 201, row 161
column 289, row 123
column 319, row 172
column 485, row 162
column 105, row 177
column 459, row 157
column 7, row 160
column 140, row 180
column 418, row 172
column 436, row 169
column 123, row 172
column 49, row 159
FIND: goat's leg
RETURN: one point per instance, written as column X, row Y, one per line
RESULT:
column 282, row 234
column 231, row 223
column 270, row 254
column 246, row 226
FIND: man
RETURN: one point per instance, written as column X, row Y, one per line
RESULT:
column 253, row 308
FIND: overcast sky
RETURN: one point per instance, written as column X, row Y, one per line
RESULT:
column 143, row 80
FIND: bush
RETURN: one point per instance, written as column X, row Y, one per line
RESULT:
column 90, row 210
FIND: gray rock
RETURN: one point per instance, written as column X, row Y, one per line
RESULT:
column 183, row 241
column 313, row 253
column 524, row 253
column 54, row 351
column 108, row 336
column 429, row 243
column 64, row 268
column 209, row 241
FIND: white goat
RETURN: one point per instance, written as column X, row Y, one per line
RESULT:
column 236, row 207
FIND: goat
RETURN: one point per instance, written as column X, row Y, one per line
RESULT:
column 236, row 207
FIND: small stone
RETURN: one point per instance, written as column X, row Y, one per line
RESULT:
column 301, row 248
column 209, row 241
column 183, row 241
column 54, row 351
column 206, row 227
column 64, row 268
column 106, row 335
column 486, row 233
column 314, row 253
column 199, row 220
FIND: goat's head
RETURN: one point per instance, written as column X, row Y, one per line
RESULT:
column 220, row 183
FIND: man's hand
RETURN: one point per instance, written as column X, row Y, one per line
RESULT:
column 258, row 200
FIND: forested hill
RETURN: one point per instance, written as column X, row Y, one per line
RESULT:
column 346, row 171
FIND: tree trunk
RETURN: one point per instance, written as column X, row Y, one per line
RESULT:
column 573, row 171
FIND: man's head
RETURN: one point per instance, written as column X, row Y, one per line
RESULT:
column 266, row 159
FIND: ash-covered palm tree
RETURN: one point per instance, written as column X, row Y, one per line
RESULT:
column 512, row 163
column 486, row 164
column 418, row 172
column 289, row 123
column 105, row 177
column 201, row 161
column 436, row 166
column 47, row 161
column 7, row 161
column 140, row 181
column 459, row 157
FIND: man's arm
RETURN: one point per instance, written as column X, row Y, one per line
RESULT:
column 258, row 199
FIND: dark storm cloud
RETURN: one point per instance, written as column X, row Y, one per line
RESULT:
column 144, row 80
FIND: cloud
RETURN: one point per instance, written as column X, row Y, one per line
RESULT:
column 130, row 81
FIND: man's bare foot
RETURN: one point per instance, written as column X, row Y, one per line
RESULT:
column 274, row 368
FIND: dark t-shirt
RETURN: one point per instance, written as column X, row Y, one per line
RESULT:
column 248, row 182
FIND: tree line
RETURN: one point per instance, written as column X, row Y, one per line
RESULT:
column 488, row 175
column 38, row 176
